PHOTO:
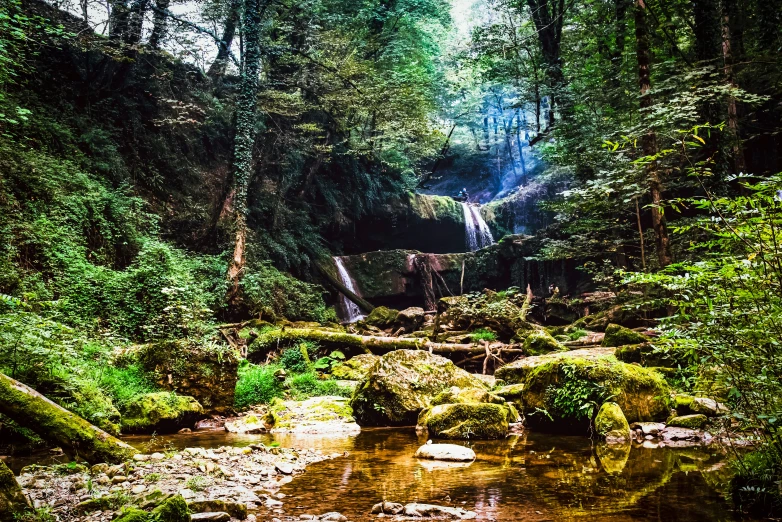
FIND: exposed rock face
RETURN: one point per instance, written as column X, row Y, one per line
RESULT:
column 206, row 373
column 611, row 424
column 403, row 383
column 452, row 452
column 641, row 393
column 465, row 421
column 162, row 412
column 12, row 500
column 619, row 336
column 316, row 415
column 355, row 368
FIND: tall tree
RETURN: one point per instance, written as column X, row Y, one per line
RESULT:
column 549, row 16
column 649, row 139
column 219, row 65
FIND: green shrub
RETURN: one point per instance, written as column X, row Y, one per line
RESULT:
column 483, row 335
column 297, row 359
column 305, row 385
column 577, row 334
column 257, row 385
column 275, row 295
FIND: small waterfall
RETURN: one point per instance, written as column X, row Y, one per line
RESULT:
column 351, row 309
column 476, row 230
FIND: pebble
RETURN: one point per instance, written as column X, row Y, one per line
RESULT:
column 284, row 467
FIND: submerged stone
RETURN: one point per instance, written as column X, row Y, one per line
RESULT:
column 162, row 412
column 451, row 452
column 434, row 511
column 403, row 383
column 465, row 421
column 616, row 335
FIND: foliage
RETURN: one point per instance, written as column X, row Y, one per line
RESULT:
column 483, row 334
column 325, row 364
column 297, row 359
column 274, row 294
column 575, row 398
column 305, row 385
column 257, row 384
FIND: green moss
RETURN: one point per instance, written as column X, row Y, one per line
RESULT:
column 511, row 392
column 355, row 368
column 173, row 509
column 455, row 395
column 611, row 424
column 382, row 317
column 133, row 514
column 162, row 411
column 12, row 500
column 466, row 421
column 540, row 342
column 616, row 335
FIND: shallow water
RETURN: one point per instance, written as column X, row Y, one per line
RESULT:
column 532, row 477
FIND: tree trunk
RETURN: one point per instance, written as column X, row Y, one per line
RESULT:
column 245, row 137
column 219, row 65
column 548, row 16
column 159, row 24
column 138, row 9
column 733, row 120
column 649, row 140
column 118, row 19
column 57, row 425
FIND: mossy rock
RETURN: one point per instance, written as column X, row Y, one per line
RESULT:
column 611, row 424
column 510, row 392
column 616, row 335
column 694, row 422
column 285, row 416
column 403, row 383
column 648, row 355
column 173, row 509
column 161, row 412
column 456, row 395
column 12, row 500
column 133, row 514
column 465, row 421
column 410, row 319
column 382, row 317
column 550, row 380
column 540, row 342
column 355, row 368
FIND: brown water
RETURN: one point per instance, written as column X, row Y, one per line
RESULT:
column 533, row 477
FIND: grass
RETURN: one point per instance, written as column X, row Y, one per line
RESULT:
column 258, row 385
column 483, row 335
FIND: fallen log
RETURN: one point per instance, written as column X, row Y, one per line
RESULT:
column 375, row 344
column 57, row 425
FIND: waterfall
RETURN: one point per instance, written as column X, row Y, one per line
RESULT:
column 351, row 309
column 476, row 230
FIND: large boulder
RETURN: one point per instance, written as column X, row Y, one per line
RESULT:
column 564, row 384
column 410, row 319
column 206, row 372
column 539, row 342
column 403, row 383
column 611, row 424
column 12, row 500
column 355, row 368
column 160, row 412
column 616, row 335
column 465, row 421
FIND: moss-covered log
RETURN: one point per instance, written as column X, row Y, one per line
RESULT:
column 57, row 425
column 362, row 343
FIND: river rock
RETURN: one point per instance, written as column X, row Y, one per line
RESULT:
column 465, row 421
column 688, row 421
column 611, row 424
column 235, row 509
column 511, row 392
column 314, row 416
column 250, row 423
column 641, row 393
column 403, row 383
column 355, row 368
column 674, row 434
column 708, row 407
column 648, row 428
column 219, row 516
column 333, row 516
column 450, row 452
column 161, row 412
column 388, row 508
column 431, row 510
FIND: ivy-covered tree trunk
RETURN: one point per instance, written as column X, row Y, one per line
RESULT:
column 245, row 137
column 138, row 9
column 649, row 140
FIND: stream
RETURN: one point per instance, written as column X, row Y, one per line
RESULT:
column 532, row 476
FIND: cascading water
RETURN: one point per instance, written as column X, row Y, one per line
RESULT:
column 476, row 230
column 352, row 311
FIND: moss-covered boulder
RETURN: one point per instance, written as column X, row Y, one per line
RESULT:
column 355, row 368
column 617, row 335
column 382, row 317
column 456, row 395
column 409, row 319
column 403, row 383
column 173, row 509
column 12, row 500
column 206, row 372
column 694, row 422
column 161, row 412
column 465, row 421
column 511, row 392
column 132, row 514
column 647, row 354
column 611, row 424
column 316, row 415
column 539, row 342
column 563, row 384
